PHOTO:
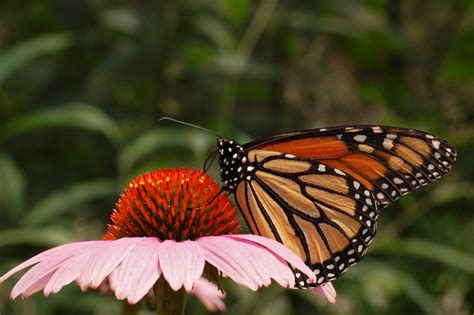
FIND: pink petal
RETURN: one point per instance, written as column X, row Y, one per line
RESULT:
column 138, row 272
column 37, row 286
column 220, row 253
column 245, row 262
column 49, row 261
column 103, row 259
column 61, row 252
column 326, row 291
column 67, row 272
column 267, row 266
column 133, row 265
column 91, row 265
column 209, row 295
column 182, row 263
column 35, row 274
column 278, row 249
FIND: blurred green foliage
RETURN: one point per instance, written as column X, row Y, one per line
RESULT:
column 82, row 84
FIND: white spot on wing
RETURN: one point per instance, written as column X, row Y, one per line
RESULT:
column 397, row 180
column 387, row 144
column 377, row 129
column 339, row 172
column 360, row 138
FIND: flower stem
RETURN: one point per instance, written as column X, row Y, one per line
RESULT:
column 169, row 302
column 129, row 309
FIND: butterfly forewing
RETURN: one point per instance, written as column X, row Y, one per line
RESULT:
column 389, row 161
column 320, row 191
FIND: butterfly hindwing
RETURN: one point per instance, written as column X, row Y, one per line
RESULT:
column 322, row 214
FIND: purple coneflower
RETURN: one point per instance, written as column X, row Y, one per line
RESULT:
column 170, row 228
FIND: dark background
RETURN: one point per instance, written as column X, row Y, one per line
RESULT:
column 82, row 84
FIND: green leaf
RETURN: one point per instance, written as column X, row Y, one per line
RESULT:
column 159, row 138
column 12, row 192
column 76, row 115
column 46, row 237
column 23, row 53
column 217, row 32
column 386, row 280
column 197, row 54
column 449, row 192
column 235, row 10
column 422, row 248
column 66, row 200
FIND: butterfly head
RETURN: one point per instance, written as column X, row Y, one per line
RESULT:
column 232, row 161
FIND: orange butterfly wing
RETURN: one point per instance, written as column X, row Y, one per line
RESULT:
column 320, row 191
column 389, row 161
column 319, row 212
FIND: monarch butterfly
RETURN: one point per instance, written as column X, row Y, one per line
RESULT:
column 320, row 191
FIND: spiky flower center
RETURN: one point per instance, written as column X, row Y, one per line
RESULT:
column 177, row 204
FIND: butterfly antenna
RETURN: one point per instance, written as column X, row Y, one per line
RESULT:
column 188, row 124
column 215, row 196
column 212, row 199
column 209, row 160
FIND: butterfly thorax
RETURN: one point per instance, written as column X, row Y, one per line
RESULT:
column 233, row 163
